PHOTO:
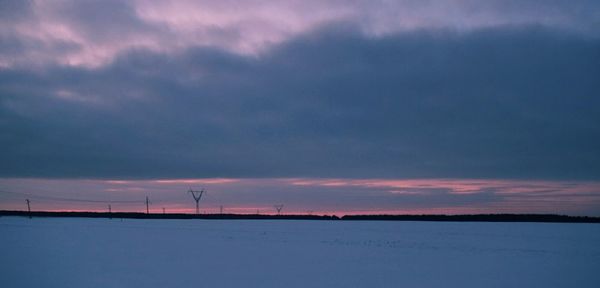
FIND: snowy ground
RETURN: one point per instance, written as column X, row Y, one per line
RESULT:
column 239, row 253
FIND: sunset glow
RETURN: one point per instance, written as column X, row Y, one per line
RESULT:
column 308, row 195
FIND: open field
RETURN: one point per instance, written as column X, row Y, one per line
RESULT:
column 76, row 252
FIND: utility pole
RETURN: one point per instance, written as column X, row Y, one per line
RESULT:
column 147, row 206
column 28, row 208
column 197, row 196
column 109, row 211
column 221, row 209
column 163, row 210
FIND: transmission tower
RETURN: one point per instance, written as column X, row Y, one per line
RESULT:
column 278, row 208
column 197, row 196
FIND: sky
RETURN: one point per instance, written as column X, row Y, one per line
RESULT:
column 342, row 107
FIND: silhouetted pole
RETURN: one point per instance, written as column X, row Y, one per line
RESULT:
column 109, row 211
column 221, row 209
column 163, row 210
column 28, row 208
column 147, row 206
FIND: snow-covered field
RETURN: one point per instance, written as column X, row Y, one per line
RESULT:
column 241, row 253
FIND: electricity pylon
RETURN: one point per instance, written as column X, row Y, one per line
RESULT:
column 278, row 208
column 197, row 196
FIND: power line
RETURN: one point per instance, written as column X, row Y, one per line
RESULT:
column 40, row 197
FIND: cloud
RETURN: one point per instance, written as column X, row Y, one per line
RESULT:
column 93, row 33
column 502, row 103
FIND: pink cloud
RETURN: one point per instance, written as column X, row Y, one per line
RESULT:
column 243, row 27
column 196, row 181
column 462, row 186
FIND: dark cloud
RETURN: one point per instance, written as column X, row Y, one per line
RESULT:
column 500, row 103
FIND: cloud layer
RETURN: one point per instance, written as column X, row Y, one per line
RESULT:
column 115, row 89
column 94, row 33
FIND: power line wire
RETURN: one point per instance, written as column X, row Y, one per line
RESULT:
column 40, row 197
